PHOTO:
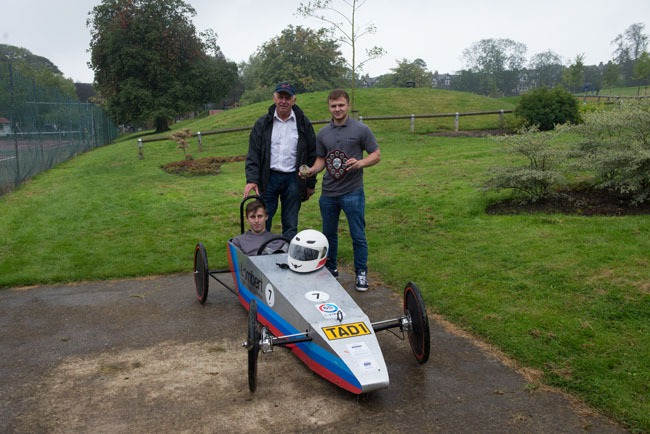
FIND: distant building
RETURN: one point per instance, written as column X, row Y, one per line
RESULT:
column 525, row 83
column 442, row 81
column 5, row 127
column 367, row 81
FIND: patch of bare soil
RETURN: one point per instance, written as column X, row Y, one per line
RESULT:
column 200, row 166
column 586, row 202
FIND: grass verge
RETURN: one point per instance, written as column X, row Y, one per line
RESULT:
column 567, row 295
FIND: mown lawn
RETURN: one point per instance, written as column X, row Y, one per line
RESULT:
column 567, row 295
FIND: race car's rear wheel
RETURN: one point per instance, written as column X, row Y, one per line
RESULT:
column 253, row 345
column 419, row 331
column 201, row 278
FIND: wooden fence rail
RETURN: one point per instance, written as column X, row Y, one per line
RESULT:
column 611, row 98
column 199, row 135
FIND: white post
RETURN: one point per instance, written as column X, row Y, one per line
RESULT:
column 412, row 123
column 200, row 141
column 456, row 121
column 140, row 150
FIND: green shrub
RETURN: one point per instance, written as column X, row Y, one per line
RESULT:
column 546, row 108
column 616, row 148
column 612, row 153
column 535, row 179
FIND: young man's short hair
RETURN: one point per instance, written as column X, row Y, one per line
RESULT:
column 253, row 206
column 338, row 93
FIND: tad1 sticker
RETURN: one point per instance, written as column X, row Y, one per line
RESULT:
column 344, row 331
column 317, row 296
column 329, row 310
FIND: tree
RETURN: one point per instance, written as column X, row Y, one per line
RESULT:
column 405, row 72
column 611, row 75
column 498, row 62
column 348, row 30
column 466, row 81
column 642, row 68
column 544, row 108
column 149, row 62
column 574, row 75
column 632, row 42
column 307, row 58
column 40, row 69
column 546, row 68
column 593, row 77
column 629, row 46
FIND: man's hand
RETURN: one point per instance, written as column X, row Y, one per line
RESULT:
column 251, row 186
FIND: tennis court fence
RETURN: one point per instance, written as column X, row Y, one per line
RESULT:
column 40, row 127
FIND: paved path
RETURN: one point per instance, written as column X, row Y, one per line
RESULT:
column 143, row 356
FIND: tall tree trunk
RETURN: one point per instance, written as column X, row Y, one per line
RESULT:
column 162, row 125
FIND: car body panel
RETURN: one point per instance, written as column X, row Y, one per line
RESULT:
column 344, row 348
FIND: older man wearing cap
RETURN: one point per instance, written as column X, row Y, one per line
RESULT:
column 280, row 142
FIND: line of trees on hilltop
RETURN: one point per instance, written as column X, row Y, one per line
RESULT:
column 152, row 65
column 36, row 71
column 494, row 67
column 499, row 67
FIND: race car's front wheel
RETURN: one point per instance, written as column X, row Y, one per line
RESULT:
column 253, row 345
column 201, row 278
column 419, row 330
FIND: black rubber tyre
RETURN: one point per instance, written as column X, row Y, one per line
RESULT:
column 201, row 277
column 260, row 251
column 253, row 345
column 419, row 334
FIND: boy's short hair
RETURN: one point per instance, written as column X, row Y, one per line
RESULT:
column 338, row 93
column 254, row 205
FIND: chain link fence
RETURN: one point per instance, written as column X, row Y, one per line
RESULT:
column 41, row 127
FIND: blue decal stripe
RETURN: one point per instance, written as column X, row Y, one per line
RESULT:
column 317, row 354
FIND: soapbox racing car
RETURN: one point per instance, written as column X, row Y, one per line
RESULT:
column 313, row 315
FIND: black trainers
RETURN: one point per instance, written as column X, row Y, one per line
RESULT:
column 334, row 271
column 362, row 281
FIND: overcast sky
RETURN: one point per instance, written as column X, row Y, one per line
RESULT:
column 434, row 31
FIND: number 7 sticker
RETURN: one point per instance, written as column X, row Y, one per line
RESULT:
column 317, row 296
column 269, row 294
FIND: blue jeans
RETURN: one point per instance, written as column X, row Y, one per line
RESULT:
column 283, row 186
column 354, row 206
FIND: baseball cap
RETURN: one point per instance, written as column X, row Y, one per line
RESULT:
column 286, row 88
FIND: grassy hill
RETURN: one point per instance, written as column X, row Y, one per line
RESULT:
column 373, row 102
column 564, row 295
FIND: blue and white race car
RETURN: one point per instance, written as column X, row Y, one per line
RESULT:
column 300, row 305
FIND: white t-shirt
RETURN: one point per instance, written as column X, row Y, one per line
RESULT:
column 284, row 143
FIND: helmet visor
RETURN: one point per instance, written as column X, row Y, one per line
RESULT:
column 303, row 253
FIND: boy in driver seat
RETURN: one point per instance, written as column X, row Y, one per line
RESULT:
column 250, row 242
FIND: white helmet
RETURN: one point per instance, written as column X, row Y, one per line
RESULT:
column 308, row 251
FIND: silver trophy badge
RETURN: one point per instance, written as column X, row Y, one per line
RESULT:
column 335, row 162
